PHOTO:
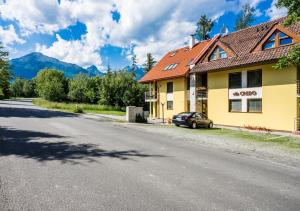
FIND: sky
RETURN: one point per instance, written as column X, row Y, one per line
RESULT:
column 109, row 32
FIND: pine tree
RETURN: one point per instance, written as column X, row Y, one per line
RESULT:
column 204, row 26
column 150, row 62
column 245, row 18
column 133, row 65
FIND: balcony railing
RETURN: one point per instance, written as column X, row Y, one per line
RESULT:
column 151, row 96
column 202, row 94
column 298, row 88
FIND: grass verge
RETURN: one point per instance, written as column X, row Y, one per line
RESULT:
column 288, row 142
column 83, row 108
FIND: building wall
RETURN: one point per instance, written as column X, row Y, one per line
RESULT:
column 279, row 101
column 180, row 96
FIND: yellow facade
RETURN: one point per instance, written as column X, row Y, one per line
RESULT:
column 180, row 98
column 279, row 100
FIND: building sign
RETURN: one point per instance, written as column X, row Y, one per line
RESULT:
column 247, row 93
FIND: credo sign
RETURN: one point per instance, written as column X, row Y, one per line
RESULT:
column 245, row 93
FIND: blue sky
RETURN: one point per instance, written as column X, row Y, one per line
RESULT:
column 95, row 32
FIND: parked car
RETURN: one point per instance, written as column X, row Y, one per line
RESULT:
column 192, row 120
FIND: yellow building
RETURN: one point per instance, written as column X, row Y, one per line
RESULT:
column 169, row 80
column 243, row 89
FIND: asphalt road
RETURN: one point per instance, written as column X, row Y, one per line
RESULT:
column 57, row 161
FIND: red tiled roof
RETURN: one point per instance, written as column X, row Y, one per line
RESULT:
column 243, row 43
column 182, row 57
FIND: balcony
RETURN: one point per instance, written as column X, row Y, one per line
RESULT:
column 201, row 95
column 151, row 96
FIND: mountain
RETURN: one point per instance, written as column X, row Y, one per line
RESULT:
column 29, row 65
column 139, row 72
column 93, row 70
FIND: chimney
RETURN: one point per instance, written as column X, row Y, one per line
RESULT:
column 192, row 41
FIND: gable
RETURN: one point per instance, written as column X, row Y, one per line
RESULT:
column 219, row 51
column 276, row 37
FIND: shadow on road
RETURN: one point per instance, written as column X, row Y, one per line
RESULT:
column 25, row 144
column 7, row 112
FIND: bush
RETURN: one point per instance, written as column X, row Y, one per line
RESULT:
column 84, row 89
column 22, row 88
column 51, row 85
column 78, row 109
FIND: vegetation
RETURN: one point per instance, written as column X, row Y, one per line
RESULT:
column 79, row 107
column 150, row 62
column 5, row 74
column 22, row 88
column 204, row 26
column 133, row 65
column 51, row 85
column 245, row 18
column 293, row 57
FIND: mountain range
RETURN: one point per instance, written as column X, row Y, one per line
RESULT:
column 29, row 65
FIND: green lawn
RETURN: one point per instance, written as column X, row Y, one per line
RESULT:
column 86, row 108
column 272, row 139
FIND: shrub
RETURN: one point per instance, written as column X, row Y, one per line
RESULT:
column 78, row 109
column 51, row 85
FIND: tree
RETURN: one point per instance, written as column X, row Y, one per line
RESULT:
column 133, row 64
column 5, row 74
column 28, row 88
column 245, row 18
column 51, row 85
column 150, row 62
column 83, row 89
column 204, row 26
column 16, row 87
column 293, row 7
column 293, row 57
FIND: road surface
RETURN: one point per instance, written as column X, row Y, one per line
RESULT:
column 58, row 161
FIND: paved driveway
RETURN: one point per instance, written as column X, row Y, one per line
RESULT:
column 57, row 161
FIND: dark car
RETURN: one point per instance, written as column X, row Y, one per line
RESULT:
column 192, row 120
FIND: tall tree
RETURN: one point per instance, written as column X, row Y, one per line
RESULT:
column 150, row 62
column 5, row 74
column 293, row 7
column 245, row 18
column 133, row 64
column 204, row 26
column 293, row 57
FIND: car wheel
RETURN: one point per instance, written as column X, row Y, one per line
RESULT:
column 177, row 125
column 210, row 125
column 194, row 125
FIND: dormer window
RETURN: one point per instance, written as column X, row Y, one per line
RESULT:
column 284, row 39
column 277, row 39
column 171, row 66
column 270, row 42
column 218, row 53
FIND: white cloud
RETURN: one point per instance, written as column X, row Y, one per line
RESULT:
column 150, row 26
column 76, row 52
column 8, row 36
column 273, row 12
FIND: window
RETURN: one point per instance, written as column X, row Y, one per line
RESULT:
column 171, row 66
column 254, row 78
column 270, row 42
column 254, row 105
column 223, row 54
column 278, row 38
column 190, row 62
column 169, row 105
column 218, row 53
column 235, row 105
column 170, row 87
column 213, row 56
column 284, row 39
column 235, row 80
